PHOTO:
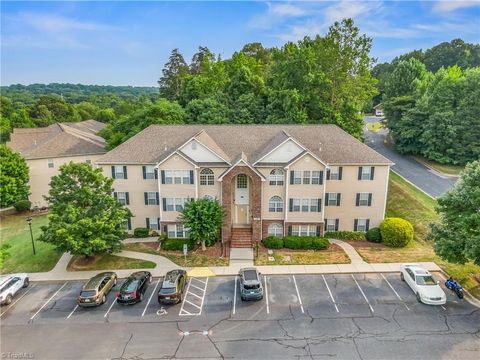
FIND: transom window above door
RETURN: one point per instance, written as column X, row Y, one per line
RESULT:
column 242, row 181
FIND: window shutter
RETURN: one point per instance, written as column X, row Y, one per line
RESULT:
column 326, row 198
column 325, row 226
column 360, row 169
column 158, row 223
column 115, row 195
column 319, row 203
column 155, row 171
column 372, row 172
column 318, row 230
column 289, row 229
column 290, row 205
column 125, row 172
column 357, row 201
column 368, row 225
column 127, row 198
column 328, row 174
column 162, row 174
column 144, row 170
column 336, row 224
column 321, row 177
column 164, row 203
column 370, row 199
column 292, row 174
column 340, row 170
column 113, row 172
column 146, row 198
column 191, row 176
column 157, row 195
column 148, row 222
column 355, row 224
column 129, row 223
column 339, row 197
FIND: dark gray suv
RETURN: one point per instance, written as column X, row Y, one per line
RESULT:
column 251, row 287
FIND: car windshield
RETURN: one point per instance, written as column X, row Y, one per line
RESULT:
column 130, row 285
column 88, row 293
column 167, row 291
column 249, row 275
column 251, row 286
column 425, row 280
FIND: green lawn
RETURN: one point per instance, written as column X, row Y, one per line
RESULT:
column 375, row 126
column 108, row 262
column 442, row 168
column 405, row 201
column 333, row 255
column 15, row 232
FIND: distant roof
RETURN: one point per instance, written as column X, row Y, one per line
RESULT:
column 327, row 142
column 59, row 140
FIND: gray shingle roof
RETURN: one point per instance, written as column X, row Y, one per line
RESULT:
column 59, row 140
column 327, row 142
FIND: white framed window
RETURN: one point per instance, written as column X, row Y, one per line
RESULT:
column 149, row 172
column 122, row 197
column 50, row 163
column 297, row 177
column 366, row 173
column 88, row 161
column 306, row 177
column 177, row 177
column 168, row 176
column 334, row 173
column 207, row 177
column 119, row 173
column 170, row 204
column 296, row 205
column 305, row 205
column 275, row 204
column 275, row 229
column 176, row 231
column 208, row 197
column 330, row 224
column 363, row 199
column 242, row 181
column 151, row 198
column 126, row 224
column 174, row 204
column 153, row 223
column 314, row 203
column 277, row 177
column 179, row 202
column 316, row 177
column 304, row 230
column 362, row 225
column 332, row 199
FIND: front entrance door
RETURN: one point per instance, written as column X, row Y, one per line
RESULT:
column 242, row 200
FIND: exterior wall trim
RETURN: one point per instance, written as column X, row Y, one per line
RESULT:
column 262, row 178
column 386, row 192
column 307, row 152
column 276, row 147
column 195, row 138
column 177, row 153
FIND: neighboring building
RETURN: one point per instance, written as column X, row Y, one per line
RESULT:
column 270, row 179
column 45, row 149
column 378, row 110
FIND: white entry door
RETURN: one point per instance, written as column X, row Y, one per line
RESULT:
column 242, row 200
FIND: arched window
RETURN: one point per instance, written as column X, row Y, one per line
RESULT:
column 275, row 230
column 275, row 204
column 276, row 177
column 207, row 177
column 208, row 197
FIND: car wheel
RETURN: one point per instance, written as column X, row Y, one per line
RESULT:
column 150, row 279
column 141, row 297
column 242, row 298
column 8, row 300
column 104, row 299
column 402, row 277
column 114, row 281
column 26, row 282
column 418, row 297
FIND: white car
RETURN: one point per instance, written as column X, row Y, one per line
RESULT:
column 423, row 284
column 10, row 285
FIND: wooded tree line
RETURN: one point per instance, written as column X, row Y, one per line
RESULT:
column 434, row 113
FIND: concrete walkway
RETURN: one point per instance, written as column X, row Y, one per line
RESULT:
column 354, row 256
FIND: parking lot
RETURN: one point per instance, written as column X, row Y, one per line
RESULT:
column 345, row 316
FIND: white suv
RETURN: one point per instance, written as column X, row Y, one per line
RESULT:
column 423, row 284
column 10, row 285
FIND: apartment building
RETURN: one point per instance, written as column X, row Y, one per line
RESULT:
column 270, row 179
column 46, row 149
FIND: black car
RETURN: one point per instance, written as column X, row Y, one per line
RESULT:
column 173, row 287
column 134, row 287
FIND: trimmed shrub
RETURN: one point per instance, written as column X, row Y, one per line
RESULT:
column 346, row 235
column 171, row 244
column 374, row 235
column 396, row 232
column 320, row 243
column 22, row 205
column 273, row 242
column 140, row 232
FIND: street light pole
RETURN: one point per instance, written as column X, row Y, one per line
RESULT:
column 29, row 221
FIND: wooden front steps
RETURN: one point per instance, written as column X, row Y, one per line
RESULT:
column 241, row 237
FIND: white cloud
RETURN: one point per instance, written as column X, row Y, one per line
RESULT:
column 447, row 6
column 55, row 23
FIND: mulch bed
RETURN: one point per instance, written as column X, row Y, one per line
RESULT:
column 332, row 248
column 83, row 262
column 212, row 251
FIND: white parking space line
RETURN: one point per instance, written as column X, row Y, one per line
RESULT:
column 196, row 287
column 234, row 296
column 184, row 312
column 198, row 307
column 198, row 297
column 266, row 294
column 75, row 308
column 298, row 294
column 201, row 306
column 20, row 298
column 359, row 288
column 51, row 297
column 443, row 307
column 110, row 308
column 203, row 282
column 331, row 296
column 391, row 287
column 188, row 292
column 150, row 298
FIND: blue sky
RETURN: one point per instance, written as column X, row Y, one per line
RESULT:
column 127, row 43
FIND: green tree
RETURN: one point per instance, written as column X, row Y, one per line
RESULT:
column 174, row 73
column 204, row 219
column 60, row 110
column 457, row 235
column 84, row 218
column 105, row 115
column 13, row 177
column 206, row 111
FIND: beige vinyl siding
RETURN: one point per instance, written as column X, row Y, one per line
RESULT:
column 269, row 191
column 214, row 190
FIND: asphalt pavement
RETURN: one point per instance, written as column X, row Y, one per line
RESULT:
column 341, row 316
column 427, row 180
